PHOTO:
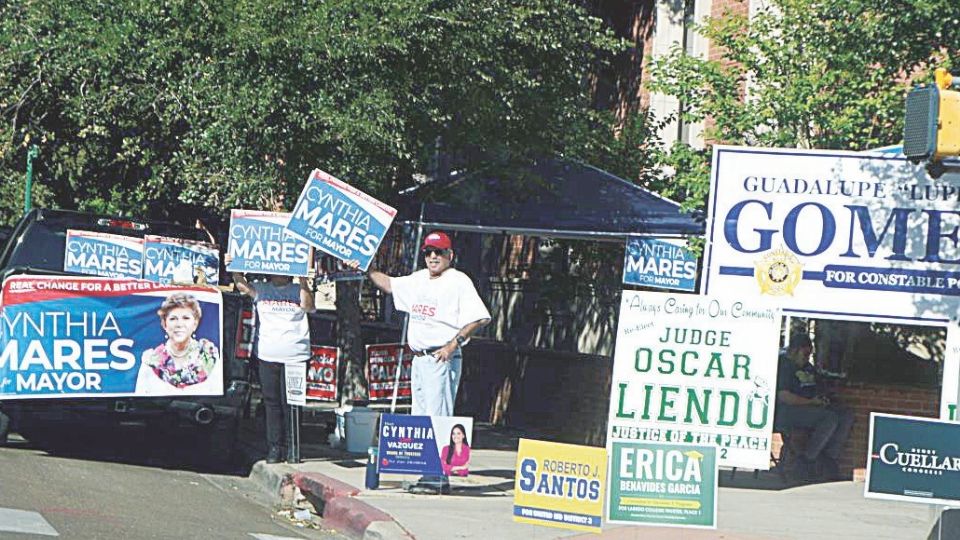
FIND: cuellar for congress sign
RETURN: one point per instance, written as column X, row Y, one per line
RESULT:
column 913, row 459
column 696, row 369
column 834, row 234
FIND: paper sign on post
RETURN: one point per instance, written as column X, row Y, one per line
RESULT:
column 103, row 254
column 260, row 243
column 339, row 219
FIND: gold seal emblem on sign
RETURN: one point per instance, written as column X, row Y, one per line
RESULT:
column 778, row 272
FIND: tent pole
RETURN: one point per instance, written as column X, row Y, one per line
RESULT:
column 406, row 319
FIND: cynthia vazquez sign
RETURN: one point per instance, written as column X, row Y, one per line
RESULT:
column 913, row 459
column 834, row 234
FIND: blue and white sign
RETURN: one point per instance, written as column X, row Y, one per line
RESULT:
column 661, row 264
column 831, row 234
column 432, row 445
column 168, row 260
column 68, row 337
column 339, row 219
column 260, row 243
column 103, row 254
column 913, row 459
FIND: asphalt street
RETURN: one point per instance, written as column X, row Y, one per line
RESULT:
column 122, row 484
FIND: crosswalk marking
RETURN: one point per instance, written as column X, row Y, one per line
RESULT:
column 265, row 536
column 24, row 521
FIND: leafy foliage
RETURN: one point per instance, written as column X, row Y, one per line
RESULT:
column 806, row 73
column 166, row 107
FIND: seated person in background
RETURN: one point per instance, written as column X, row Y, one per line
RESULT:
column 802, row 404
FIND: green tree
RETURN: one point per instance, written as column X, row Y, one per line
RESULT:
column 173, row 108
column 826, row 74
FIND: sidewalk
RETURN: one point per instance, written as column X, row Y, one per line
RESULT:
column 481, row 504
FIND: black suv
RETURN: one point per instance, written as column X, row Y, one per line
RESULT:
column 36, row 246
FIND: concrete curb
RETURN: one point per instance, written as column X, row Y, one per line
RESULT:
column 341, row 511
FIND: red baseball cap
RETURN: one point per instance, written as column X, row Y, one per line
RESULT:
column 437, row 240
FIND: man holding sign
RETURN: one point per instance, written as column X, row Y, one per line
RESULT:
column 445, row 310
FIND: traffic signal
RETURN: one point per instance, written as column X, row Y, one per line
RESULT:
column 931, row 129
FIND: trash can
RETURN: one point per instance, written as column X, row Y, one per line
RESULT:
column 360, row 426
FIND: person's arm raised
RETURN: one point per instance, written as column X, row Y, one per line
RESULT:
column 379, row 279
column 307, row 301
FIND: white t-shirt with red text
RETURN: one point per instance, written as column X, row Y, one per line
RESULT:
column 284, row 329
column 438, row 307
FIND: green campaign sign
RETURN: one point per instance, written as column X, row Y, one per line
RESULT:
column 913, row 459
column 673, row 485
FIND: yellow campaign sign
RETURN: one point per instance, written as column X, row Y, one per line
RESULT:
column 560, row 485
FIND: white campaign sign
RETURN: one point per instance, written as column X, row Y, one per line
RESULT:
column 696, row 369
column 833, row 234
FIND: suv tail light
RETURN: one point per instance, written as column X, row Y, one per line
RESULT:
column 121, row 224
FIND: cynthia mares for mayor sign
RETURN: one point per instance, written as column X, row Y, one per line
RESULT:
column 339, row 219
column 102, row 254
column 260, row 243
column 90, row 337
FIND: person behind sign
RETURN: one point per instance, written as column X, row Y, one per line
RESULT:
column 181, row 360
column 283, row 337
column 802, row 403
column 455, row 457
column 445, row 310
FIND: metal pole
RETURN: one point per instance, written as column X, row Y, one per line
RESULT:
column 32, row 153
column 293, row 435
column 406, row 319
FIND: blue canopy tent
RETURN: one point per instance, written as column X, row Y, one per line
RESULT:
column 552, row 198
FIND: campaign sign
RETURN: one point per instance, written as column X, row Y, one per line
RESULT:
column 696, row 369
column 67, row 337
column 168, row 260
column 661, row 264
column 664, row 485
column 831, row 234
column 322, row 373
column 432, row 445
column 382, row 362
column 559, row 485
column 913, row 459
column 339, row 219
column 260, row 243
column 295, row 374
column 103, row 254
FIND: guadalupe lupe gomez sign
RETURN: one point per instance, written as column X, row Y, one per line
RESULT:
column 696, row 369
column 834, row 234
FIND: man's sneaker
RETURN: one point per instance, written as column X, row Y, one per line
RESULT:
column 273, row 455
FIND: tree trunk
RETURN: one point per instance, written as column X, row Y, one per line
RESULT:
column 353, row 382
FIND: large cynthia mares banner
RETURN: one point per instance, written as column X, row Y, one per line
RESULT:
column 103, row 254
column 662, row 484
column 100, row 337
column 260, row 243
column 339, row 219
column 660, row 264
column 166, row 260
column 834, row 234
column 559, row 485
column 696, row 369
column 322, row 373
column 432, row 445
column 913, row 459
column 383, row 360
